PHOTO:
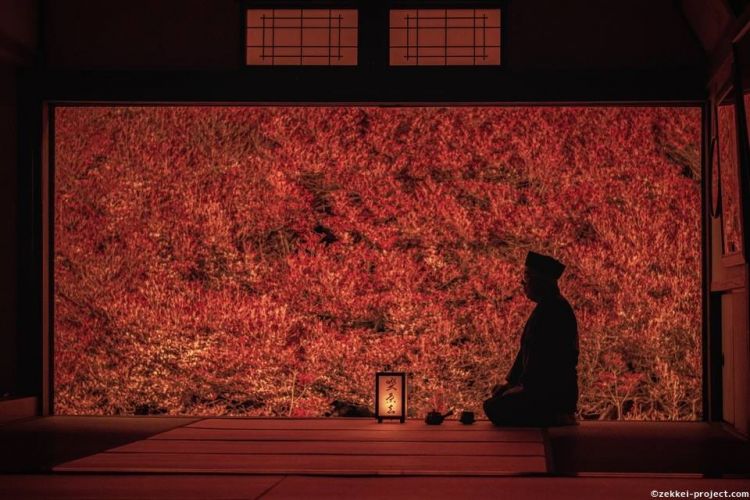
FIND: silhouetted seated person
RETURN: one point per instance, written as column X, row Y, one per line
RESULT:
column 542, row 385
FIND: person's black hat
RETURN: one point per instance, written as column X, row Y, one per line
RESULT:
column 544, row 265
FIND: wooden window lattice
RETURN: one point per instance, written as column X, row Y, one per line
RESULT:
column 301, row 37
column 444, row 37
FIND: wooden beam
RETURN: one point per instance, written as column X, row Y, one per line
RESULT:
column 709, row 20
column 392, row 86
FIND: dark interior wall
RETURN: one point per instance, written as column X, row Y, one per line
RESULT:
column 164, row 34
column 18, row 36
column 18, row 30
column 595, row 34
column 200, row 34
column 8, row 253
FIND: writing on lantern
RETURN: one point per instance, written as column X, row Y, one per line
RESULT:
column 390, row 387
column 390, row 396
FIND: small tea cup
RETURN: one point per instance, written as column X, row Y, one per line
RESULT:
column 467, row 417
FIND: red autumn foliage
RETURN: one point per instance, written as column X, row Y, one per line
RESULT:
column 269, row 260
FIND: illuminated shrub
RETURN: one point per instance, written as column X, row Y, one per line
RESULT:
column 268, row 261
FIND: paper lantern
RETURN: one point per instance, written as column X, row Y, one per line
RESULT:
column 390, row 396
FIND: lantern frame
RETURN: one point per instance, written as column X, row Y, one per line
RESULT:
column 402, row 417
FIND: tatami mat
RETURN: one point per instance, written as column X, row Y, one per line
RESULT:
column 326, row 446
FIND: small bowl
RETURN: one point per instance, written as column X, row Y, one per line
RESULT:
column 467, row 417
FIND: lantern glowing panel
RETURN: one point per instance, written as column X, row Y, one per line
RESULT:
column 390, row 396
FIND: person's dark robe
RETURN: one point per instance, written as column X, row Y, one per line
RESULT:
column 545, row 367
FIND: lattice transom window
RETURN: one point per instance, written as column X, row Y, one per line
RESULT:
column 444, row 37
column 302, row 37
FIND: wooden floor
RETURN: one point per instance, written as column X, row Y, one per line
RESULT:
column 236, row 487
column 341, row 447
column 65, row 458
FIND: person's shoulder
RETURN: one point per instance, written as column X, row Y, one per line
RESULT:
column 558, row 306
column 557, row 301
column 563, row 302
